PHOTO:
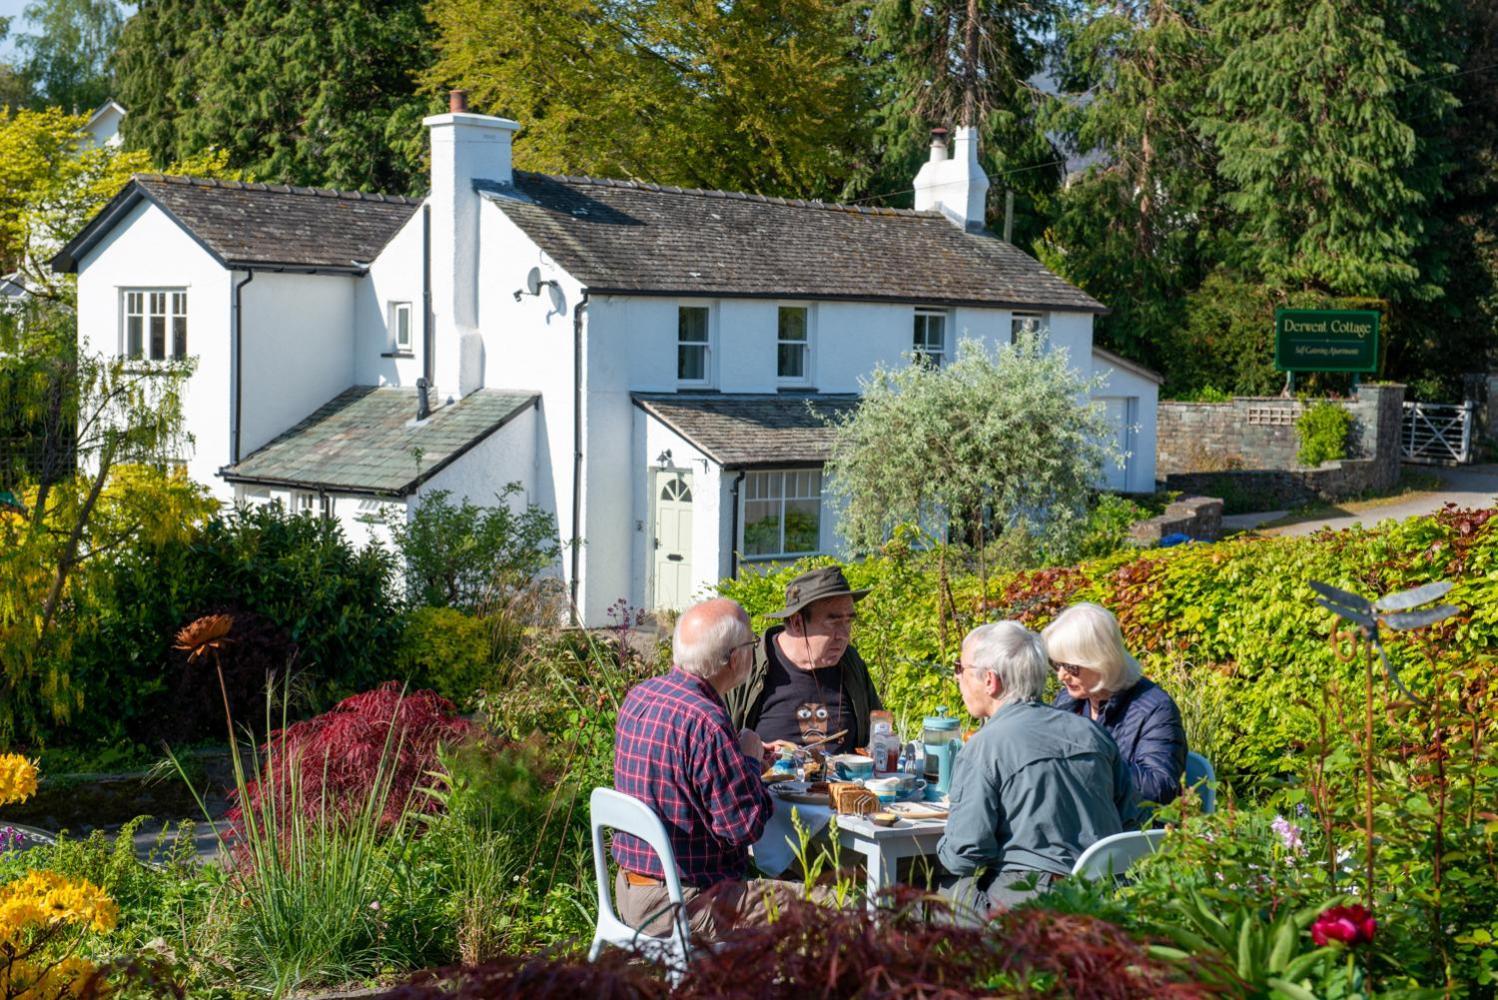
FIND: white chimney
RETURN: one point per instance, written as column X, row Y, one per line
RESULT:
column 465, row 148
column 955, row 186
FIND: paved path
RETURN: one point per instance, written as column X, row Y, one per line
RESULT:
column 1468, row 486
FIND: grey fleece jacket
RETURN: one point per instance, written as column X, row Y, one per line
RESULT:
column 1032, row 790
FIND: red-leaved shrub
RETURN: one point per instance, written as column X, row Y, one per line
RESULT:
column 337, row 754
column 813, row 951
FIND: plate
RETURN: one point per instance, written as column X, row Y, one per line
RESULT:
column 918, row 810
column 798, row 791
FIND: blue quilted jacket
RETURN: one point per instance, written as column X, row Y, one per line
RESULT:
column 1146, row 725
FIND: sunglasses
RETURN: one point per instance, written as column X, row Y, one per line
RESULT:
column 1069, row 669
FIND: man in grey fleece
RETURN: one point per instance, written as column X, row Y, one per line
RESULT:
column 1033, row 788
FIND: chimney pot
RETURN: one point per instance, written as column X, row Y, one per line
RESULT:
column 939, row 135
column 457, row 101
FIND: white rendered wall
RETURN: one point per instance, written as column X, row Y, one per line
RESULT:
column 1120, row 382
column 479, row 474
column 148, row 250
column 526, row 346
column 298, row 349
column 394, row 276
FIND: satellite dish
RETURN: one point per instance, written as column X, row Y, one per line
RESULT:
column 533, row 281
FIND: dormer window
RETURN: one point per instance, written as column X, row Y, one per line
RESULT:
column 400, row 327
column 692, row 344
column 155, row 324
column 930, row 343
column 1026, row 322
column 792, row 345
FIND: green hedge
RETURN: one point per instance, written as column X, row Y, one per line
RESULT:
column 1230, row 629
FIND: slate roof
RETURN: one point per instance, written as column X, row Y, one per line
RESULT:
column 259, row 225
column 361, row 441
column 622, row 237
column 742, row 430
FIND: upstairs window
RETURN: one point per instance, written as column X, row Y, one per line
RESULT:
column 691, row 344
column 400, row 326
column 1025, row 322
column 792, row 345
column 782, row 513
column 155, row 324
column 930, row 343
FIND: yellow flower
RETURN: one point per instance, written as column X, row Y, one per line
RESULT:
column 45, row 899
column 17, row 778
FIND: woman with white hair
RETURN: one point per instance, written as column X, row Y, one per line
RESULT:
column 1102, row 682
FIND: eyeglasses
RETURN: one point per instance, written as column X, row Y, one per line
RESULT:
column 1069, row 669
column 752, row 641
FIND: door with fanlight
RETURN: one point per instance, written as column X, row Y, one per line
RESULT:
column 672, row 576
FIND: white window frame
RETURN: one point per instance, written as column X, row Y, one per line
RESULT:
column 706, row 345
column 303, row 502
column 169, row 305
column 920, row 347
column 397, row 310
column 1038, row 322
column 787, row 481
column 805, row 344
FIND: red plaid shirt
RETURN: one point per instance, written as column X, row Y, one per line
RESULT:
column 677, row 752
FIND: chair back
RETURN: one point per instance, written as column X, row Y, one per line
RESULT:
column 612, row 810
column 1113, row 855
column 1201, row 776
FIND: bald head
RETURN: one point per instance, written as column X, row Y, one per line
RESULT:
column 706, row 635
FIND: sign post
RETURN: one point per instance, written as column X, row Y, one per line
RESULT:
column 1326, row 340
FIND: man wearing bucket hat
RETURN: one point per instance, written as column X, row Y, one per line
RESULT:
column 808, row 681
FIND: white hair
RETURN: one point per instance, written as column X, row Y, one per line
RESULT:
column 709, row 648
column 1014, row 655
column 1087, row 635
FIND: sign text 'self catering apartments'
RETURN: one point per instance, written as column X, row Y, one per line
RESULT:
column 1326, row 340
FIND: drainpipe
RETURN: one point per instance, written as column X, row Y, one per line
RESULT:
column 249, row 276
column 577, row 448
column 426, row 293
column 733, row 531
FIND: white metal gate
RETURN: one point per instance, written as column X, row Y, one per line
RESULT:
column 1437, row 434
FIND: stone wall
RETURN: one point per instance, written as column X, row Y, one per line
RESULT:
column 1198, row 518
column 1245, row 451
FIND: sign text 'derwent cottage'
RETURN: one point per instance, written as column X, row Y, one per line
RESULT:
column 1326, row 340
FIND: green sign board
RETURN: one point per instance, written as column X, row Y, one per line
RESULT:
column 1326, row 340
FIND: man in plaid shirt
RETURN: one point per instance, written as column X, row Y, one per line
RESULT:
column 677, row 752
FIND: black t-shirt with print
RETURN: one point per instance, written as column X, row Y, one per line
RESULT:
column 803, row 706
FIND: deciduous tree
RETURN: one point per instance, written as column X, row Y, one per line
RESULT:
column 67, row 57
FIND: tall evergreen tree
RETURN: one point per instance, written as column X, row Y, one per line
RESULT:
column 954, row 62
column 758, row 95
column 1136, row 224
column 302, row 92
column 67, row 57
column 1317, row 107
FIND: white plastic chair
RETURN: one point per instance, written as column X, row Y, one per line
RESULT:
column 1113, row 855
column 1201, row 776
column 617, row 811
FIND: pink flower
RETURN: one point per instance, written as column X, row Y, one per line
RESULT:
column 1288, row 833
column 1348, row 924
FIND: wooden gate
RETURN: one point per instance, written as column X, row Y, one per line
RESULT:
column 1437, row 434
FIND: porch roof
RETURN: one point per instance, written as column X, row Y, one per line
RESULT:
column 366, row 440
column 743, row 430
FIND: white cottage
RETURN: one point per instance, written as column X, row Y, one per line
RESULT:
column 652, row 364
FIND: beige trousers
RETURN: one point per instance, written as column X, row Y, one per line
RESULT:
column 710, row 912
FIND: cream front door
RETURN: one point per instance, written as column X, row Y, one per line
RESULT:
column 673, row 540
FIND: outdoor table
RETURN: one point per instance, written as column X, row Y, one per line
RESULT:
column 881, row 847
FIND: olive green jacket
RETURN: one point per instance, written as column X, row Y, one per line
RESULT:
column 746, row 701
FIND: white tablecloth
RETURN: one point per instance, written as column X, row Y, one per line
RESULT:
column 777, row 846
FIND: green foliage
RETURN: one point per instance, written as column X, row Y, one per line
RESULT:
column 447, row 651
column 755, row 96
column 68, row 58
column 303, row 93
column 1322, row 429
column 991, row 442
column 334, row 602
column 466, row 556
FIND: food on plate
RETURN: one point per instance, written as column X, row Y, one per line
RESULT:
column 772, row 776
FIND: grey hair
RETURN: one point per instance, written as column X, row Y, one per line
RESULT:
column 1088, row 635
column 709, row 649
column 1014, row 655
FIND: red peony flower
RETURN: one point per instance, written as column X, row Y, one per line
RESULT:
column 1348, row 924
